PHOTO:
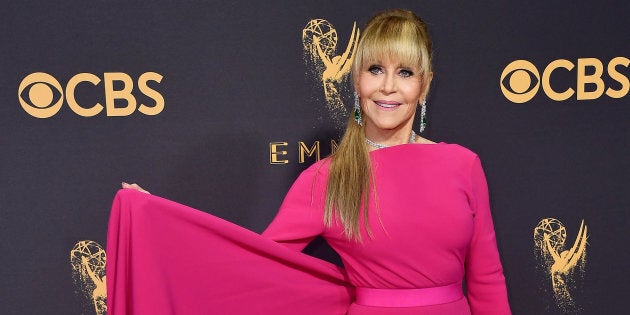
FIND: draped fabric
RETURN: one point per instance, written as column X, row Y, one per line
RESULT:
column 434, row 229
column 167, row 258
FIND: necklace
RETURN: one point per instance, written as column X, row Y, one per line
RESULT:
column 412, row 138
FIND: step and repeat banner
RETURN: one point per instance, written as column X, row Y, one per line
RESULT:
column 220, row 104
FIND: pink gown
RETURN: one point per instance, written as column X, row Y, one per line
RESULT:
column 435, row 229
column 431, row 227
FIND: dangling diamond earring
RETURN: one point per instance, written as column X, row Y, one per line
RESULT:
column 357, row 109
column 423, row 115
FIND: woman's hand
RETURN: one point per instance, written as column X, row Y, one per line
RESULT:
column 134, row 186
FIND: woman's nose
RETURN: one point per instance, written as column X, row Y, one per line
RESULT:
column 389, row 84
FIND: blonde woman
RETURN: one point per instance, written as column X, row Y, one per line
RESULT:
column 409, row 217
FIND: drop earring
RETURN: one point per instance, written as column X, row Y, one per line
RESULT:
column 423, row 115
column 357, row 109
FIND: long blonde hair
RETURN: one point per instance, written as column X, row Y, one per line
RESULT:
column 398, row 34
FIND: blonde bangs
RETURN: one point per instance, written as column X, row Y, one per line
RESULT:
column 397, row 39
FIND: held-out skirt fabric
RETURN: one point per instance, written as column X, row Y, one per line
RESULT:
column 166, row 258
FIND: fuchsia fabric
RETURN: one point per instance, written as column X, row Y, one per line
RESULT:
column 166, row 258
column 408, row 297
column 432, row 228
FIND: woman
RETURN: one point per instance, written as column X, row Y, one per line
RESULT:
column 409, row 217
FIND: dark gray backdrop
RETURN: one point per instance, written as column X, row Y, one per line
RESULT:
column 234, row 80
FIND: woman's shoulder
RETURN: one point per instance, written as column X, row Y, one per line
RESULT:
column 319, row 168
column 459, row 150
column 447, row 156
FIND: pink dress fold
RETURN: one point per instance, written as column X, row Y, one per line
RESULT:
column 166, row 258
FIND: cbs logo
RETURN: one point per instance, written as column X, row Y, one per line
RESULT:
column 521, row 80
column 41, row 95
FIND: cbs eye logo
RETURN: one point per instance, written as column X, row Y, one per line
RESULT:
column 521, row 80
column 42, row 96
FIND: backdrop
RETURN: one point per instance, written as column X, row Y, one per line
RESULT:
column 220, row 104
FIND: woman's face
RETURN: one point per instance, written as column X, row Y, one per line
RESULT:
column 389, row 93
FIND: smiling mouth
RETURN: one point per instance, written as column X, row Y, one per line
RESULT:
column 387, row 105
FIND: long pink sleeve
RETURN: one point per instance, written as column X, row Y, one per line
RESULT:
column 300, row 218
column 485, row 282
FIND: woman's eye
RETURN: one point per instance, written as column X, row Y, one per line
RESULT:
column 375, row 70
column 406, row 73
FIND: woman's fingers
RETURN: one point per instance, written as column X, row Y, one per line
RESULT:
column 134, row 186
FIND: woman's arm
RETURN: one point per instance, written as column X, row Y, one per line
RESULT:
column 300, row 218
column 485, row 282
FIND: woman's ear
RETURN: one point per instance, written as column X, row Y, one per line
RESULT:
column 426, row 84
column 428, row 79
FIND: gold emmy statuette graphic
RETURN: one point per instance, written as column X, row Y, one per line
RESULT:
column 319, row 39
column 559, row 263
column 88, row 271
